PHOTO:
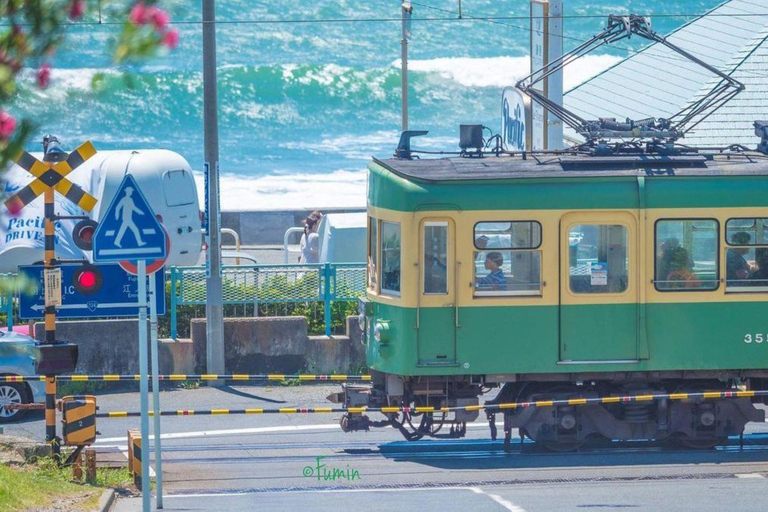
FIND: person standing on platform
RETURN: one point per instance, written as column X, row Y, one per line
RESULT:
column 310, row 240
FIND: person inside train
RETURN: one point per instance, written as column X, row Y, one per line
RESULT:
column 664, row 257
column 737, row 269
column 759, row 277
column 681, row 273
column 495, row 280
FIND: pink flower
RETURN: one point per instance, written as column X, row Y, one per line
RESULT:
column 76, row 9
column 159, row 17
column 44, row 76
column 7, row 125
column 171, row 38
column 139, row 14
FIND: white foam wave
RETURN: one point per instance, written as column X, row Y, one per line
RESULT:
column 505, row 71
column 343, row 188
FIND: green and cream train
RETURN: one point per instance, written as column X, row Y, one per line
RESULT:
column 567, row 276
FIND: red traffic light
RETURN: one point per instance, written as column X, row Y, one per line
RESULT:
column 87, row 279
column 82, row 235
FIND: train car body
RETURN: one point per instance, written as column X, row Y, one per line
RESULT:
column 565, row 276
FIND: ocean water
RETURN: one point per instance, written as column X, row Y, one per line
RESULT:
column 303, row 106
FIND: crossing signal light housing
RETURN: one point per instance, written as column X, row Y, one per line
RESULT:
column 83, row 234
column 55, row 359
column 87, row 279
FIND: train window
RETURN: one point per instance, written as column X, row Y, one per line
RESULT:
column 436, row 258
column 373, row 242
column 686, row 255
column 508, row 235
column 598, row 258
column 390, row 258
column 178, row 188
column 746, row 264
column 499, row 273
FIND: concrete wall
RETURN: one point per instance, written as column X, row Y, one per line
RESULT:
column 112, row 347
column 252, row 345
column 256, row 345
column 267, row 227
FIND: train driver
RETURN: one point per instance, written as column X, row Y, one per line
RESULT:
column 736, row 267
column 495, row 280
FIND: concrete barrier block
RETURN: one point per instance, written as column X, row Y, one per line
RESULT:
column 256, row 345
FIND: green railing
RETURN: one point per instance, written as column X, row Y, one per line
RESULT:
column 271, row 284
column 6, row 303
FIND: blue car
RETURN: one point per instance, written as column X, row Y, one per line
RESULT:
column 17, row 358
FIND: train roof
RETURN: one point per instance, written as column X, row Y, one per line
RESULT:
column 538, row 166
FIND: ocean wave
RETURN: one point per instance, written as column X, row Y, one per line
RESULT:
column 284, row 190
column 504, row 71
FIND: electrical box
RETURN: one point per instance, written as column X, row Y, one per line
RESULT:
column 78, row 419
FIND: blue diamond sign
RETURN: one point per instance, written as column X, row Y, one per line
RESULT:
column 129, row 229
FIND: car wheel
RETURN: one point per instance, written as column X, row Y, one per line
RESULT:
column 12, row 394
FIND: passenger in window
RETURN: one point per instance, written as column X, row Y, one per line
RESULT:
column 737, row 269
column 495, row 280
column 665, row 256
column 681, row 273
column 759, row 277
column 481, row 242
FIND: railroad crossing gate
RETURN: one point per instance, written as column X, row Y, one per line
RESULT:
column 53, row 177
column 129, row 229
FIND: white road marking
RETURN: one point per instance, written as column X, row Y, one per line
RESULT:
column 498, row 499
column 509, row 506
column 749, row 475
column 244, row 431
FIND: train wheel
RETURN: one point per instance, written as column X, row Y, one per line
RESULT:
column 563, row 445
column 701, row 443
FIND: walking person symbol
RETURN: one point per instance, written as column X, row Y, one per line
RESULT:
column 126, row 208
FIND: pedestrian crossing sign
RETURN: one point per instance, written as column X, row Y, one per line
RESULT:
column 129, row 229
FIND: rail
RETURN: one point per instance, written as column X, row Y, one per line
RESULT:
column 271, row 284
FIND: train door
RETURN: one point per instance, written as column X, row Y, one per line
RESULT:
column 437, row 309
column 598, row 287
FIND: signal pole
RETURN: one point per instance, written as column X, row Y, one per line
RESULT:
column 52, row 154
column 214, row 307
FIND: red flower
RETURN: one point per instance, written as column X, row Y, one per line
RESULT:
column 139, row 14
column 159, row 17
column 7, row 125
column 171, row 38
column 76, row 9
column 44, row 76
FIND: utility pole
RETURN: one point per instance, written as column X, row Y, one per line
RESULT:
column 214, row 307
column 407, row 9
column 555, row 80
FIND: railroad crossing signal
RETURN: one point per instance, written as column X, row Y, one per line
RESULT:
column 53, row 177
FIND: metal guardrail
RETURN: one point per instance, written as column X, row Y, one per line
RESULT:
column 271, row 284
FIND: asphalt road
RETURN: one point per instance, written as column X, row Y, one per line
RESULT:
column 284, row 461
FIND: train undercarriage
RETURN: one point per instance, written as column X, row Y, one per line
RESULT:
column 696, row 422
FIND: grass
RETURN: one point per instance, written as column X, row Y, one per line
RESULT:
column 42, row 483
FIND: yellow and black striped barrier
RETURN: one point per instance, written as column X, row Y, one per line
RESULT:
column 134, row 456
column 265, row 377
column 708, row 395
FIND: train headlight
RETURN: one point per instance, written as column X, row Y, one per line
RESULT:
column 381, row 332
